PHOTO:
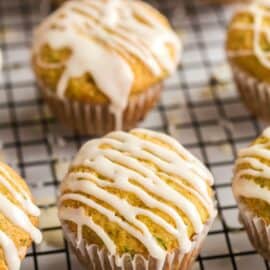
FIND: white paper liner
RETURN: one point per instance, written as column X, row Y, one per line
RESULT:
column 93, row 258
column 255, row 94
column 257, row 229
column 96, row 119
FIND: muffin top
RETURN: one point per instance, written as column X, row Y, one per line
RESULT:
column 137, row 193
column 18, row 219
column 248, row 40
column 251, row 183
column 104, row 51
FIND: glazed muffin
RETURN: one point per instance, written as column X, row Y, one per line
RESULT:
column 18, row 219
column 100, row 64
column 251, row 187
column 136, row 199
column 248, row 47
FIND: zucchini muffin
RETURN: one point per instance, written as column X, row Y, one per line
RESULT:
column 248, row 46
column 18, row 219
column 251, row 187
column 101, row 64
column 136, row 200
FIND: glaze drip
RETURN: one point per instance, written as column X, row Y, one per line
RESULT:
column 121, row 162
column 11, row 252
column 101, row 35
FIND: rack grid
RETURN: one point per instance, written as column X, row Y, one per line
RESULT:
column 199, row 107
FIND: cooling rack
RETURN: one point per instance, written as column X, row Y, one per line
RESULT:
column 199, row 107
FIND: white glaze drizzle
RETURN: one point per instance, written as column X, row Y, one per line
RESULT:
column 259, row 10
column 78, row 216
column 16, row 216
column 10, row 251
column 253, row 156
column 120, row 164
column 79, row 24
column 19, row 218
column 22, row 196
column 250, row 189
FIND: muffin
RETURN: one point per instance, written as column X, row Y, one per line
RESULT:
column 248, row 47
column 136, row 200
column 100, row 64
column 18, row 219
column 251, row 187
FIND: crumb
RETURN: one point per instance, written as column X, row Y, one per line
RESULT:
column 222, row 74
column 54, row 238
column 226, row 148
column 172, row 130
column 60, row 141
column 219, row 80
column 61, row 168
column 49, row 219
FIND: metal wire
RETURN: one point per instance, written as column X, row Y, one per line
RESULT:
column 200, row 109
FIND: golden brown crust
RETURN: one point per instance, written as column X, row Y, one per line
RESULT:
column 84, row 88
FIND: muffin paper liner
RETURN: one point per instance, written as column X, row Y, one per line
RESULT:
column 258, row 231
column 254, row 94
column 93, row 258
column 96, row 119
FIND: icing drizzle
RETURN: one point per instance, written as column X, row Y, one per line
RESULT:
column 254, row 157
column 17, row 216
column 85, row 26
column 260, row 10
column 121, row 163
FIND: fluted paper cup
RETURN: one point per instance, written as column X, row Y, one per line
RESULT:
column 92, row 257
column 254, row 94
column 257, row 229
column 96, row 119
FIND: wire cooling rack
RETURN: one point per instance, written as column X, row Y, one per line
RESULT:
column 199, row 107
